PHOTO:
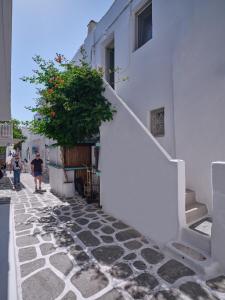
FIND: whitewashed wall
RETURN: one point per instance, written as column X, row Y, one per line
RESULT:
column 199, row 93
column 58, row 182
column 5, row 59
column 140, row 183
column 182, row 68
column 218, row 227
column 35, row 140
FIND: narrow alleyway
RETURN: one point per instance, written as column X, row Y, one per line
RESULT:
column 71, row 250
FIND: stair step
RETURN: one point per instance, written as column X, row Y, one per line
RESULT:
column 201, row 241
column 189, row 251
column 203, row 226
column 189, row 197
column 192, row 257
column 195, row 211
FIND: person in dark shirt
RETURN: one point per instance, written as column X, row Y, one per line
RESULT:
column 37, row 170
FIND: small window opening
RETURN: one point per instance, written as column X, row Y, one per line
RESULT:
column 158, row 122
column 110, row 64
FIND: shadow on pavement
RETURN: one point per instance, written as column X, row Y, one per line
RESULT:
column 6, row 184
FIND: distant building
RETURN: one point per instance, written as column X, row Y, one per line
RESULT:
column 35, row 143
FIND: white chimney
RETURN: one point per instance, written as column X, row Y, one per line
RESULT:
column 91, row 25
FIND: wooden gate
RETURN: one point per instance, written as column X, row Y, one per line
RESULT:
column 78, row 156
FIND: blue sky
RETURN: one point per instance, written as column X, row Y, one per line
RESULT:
column 45, row 27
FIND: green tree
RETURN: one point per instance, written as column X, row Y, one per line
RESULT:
column 71, row 104
column 17, row 132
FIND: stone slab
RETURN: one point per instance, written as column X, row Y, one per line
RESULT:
column 127, row 235
column 32, row 266
column 173, row 270
column 26, row 240
column 88, row 239
column 70, row 296
column 108, row 254
column 96, row 281
column 133, row 245
column 217, row 284
column 61, row 262
column 121, row 270
column 152, row 256
column 194, row 290
column 26, row 254
column 47, row 248
column 107, row 229
column 112, row 295
column 44, row 285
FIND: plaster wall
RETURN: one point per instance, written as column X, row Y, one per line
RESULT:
column 140, row 183
column 199, row 94
column 218, row 227
column 5, row 59
column 181, row 69
column 39, row 142
column 57, row 175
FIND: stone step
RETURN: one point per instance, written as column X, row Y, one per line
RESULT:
column 201, row 241
column 194, row 258
column 189, row 197
column 195, row 211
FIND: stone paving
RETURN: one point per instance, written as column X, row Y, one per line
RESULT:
column 72, row 250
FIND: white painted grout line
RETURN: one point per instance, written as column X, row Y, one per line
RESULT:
column 113, row 282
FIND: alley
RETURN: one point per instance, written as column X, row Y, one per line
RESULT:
column 69, row 250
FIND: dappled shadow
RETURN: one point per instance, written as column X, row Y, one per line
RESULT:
column 5, row 183
column 78, row 228
column 171, row 294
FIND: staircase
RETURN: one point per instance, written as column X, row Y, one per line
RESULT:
column 194, row 210
column 194, row 245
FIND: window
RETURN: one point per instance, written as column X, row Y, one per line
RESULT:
column 110, row 64
column 158, row 122
column 144, row 25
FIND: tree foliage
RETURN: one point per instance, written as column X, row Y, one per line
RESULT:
column 71, row 104
column 17, row 131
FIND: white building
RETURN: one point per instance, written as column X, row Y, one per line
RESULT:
column 5, row 74
column 170, row 110
column 35, row 143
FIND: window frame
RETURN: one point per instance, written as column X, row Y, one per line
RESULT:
column 107, row 46
column 136, row 21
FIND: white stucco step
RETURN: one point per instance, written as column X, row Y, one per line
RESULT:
column 199, row 240
column 203, row 226
column 195, row 211
column 194, row 258
column 189, row 197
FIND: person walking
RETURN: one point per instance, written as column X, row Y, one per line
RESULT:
column 16, row 167
column 37, row 170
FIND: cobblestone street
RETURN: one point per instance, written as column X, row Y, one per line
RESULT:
column 71, row 250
